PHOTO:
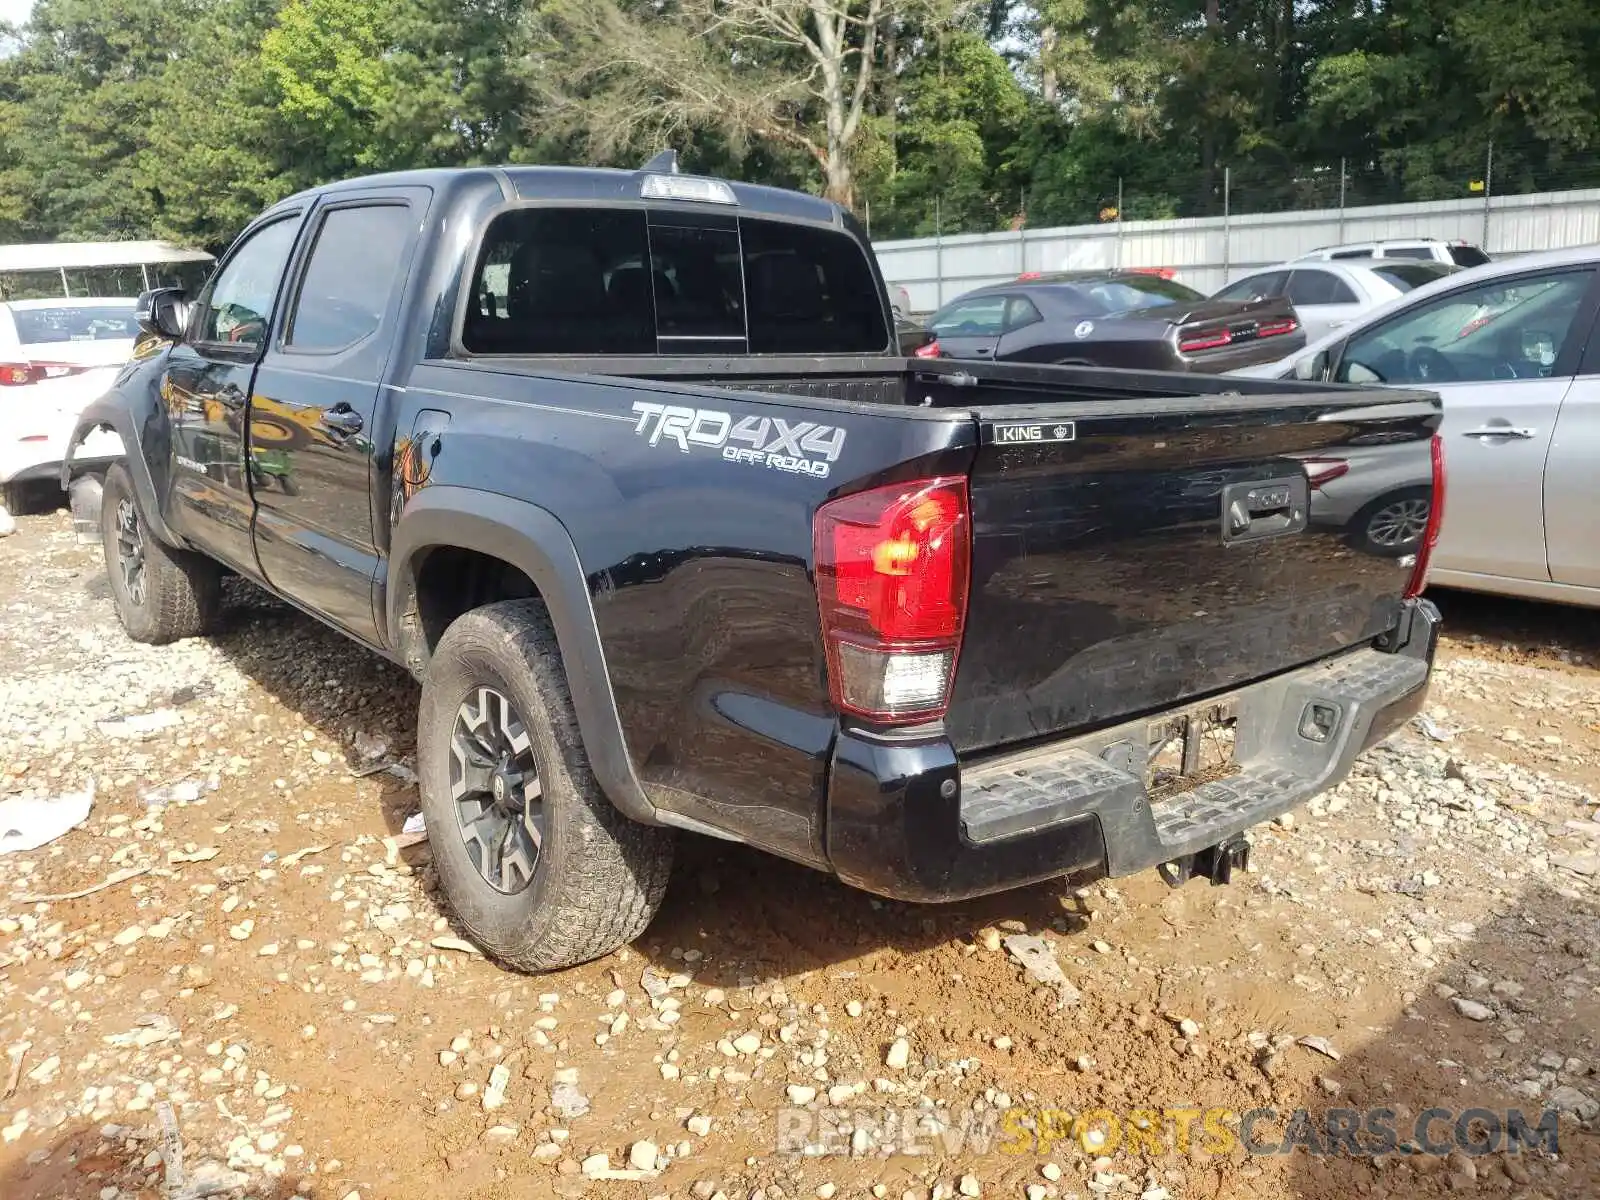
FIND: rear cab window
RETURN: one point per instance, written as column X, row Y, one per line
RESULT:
column 1467, row 256
column 636, row 281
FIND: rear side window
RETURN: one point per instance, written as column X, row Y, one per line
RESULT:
column 1318, row 287
column 1254, row 287
column 562, row 281
column 349, row 278
column 621, row 281
column 811, row 291
column 1467, row 256
column 1408, row 252
column 1408, row 275
column 1364, row 253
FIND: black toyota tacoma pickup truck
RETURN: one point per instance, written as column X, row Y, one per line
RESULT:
column 623, row 466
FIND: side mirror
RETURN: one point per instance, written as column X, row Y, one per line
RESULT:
column 162, row 313
column 1312, row 366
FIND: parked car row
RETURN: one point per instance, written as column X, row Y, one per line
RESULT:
column 1512, row 347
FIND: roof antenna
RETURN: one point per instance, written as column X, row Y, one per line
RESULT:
column 665, row 163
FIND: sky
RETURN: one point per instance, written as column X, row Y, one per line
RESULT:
column 15, row 11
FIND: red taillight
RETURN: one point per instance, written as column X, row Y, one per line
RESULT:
column 1430, row 534
column 1211, row 339
column 23, row 374
column 1027, row 275
column 1163, row 272
column 931, row 350
column 892, row 571
column 1277, row 328
column 1324, row 470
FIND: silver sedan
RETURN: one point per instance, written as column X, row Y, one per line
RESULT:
column 1513, row 350
column 1327, row 295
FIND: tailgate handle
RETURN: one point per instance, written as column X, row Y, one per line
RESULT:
column 1264, row 508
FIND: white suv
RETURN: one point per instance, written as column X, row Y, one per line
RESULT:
column 1458, row 252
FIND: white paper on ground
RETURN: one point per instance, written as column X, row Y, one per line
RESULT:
column 28, row 823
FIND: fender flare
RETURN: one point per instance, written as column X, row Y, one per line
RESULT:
column 113, row 410
column 534, row 541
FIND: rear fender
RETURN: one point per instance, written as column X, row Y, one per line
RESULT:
column 531, row 539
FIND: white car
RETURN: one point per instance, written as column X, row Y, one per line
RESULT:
column 56, row 356
column 1513, row 349
column 1327, row 295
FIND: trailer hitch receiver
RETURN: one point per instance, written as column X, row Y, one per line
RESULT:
column 1216, row 863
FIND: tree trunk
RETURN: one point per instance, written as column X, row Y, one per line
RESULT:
column 840, row 180
column 1047, row 76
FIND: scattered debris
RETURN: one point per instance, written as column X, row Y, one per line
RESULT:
column 446, row 942
column 1321, row 1045
column 17, row 1054
column 139, row 725
column 289, row 860
column 109, row 881
column 203, row 854
column 27, row 824
column 415, row 823
column 1038, row 960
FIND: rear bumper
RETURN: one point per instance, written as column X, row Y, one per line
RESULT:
column 907, row 819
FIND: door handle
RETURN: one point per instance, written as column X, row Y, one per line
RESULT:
column 1499, row 431
column 343, row 419
column 982, row 352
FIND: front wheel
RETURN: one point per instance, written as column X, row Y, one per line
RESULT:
column 539, row 866
column 161, row 593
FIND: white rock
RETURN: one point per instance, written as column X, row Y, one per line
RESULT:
column 1051, row 1172
column 969, row 1186
column 1472, row 1010
column 899, row 1055
column 642, row 1156
column 747, row 1043
column 825, row 1191
column 698, row 1125
column 799, row 1093
column 596, row 1164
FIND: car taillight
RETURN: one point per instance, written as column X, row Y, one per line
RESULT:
column 1211, row 339
column 1277, row 328
column 23, row 374
column 1324, row 470
column 931, row 350
column 1026, row 275
column 892, row 570
column 1430, row 533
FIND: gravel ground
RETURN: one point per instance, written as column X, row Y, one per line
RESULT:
column 272, row 986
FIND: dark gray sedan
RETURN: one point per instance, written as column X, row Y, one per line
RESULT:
column 1113, row 319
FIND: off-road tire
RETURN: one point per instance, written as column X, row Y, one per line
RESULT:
column 599, row 876
column 182, row 590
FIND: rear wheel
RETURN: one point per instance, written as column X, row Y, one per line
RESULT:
column 1393, row 525
column 539, row 866
column 161, row 593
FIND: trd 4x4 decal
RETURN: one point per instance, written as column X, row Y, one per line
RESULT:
column 801, row 447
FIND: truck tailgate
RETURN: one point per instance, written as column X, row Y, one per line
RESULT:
column 1129, row 555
